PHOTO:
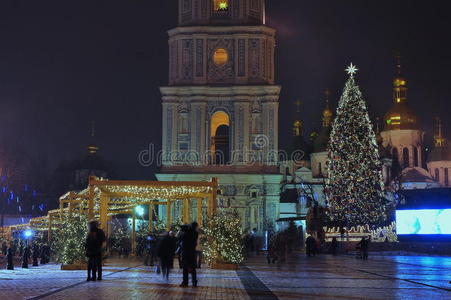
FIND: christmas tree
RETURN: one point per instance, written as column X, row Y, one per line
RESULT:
column 354, row 185
column 222, row 239
column 69, row 245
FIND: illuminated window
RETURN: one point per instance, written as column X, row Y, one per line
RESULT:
column 220, row 57
column 221, row 5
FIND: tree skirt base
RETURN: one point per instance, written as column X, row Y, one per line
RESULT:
column 217, row 266
column 74, row 267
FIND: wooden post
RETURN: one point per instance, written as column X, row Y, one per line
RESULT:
column 71, row 209
column 186, row 211
column 199, row 211
column 133, row 232
column 214, row 201
column 104, row 199
column 168, row 215
column 151, row 207
column 109, row 226
column 91, row 203
column 49, row 232
column 61, row 210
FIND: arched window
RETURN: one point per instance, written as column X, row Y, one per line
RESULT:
column 437, row 174
column 446, row 177
column 220, row 142
column 405, row 158
column 415, row 157
column 395, row 154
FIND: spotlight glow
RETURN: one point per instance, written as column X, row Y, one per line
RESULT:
column 139, row 210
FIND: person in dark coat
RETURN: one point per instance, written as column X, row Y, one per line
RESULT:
column 93, row 245
column 45, row 254
column 25, row 256
column 151, row 244
column 35, row 254
column 4, row 248
column 178, row 250
column 166, row 252
column 334, row 246
column 9, row 257
column 188, row 251
column 310, row 243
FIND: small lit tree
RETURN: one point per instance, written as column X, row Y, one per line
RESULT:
column 69, row 244
column 222, row 239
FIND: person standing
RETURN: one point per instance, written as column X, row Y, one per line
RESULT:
column 334, row 246
column 25, row 256
column 94, row 242
column 150, row 250
column 9, row 257
column 188, row 243
column 166, row 252
column 310, row 244
column 4, row 248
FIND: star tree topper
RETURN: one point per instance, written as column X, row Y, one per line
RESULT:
column 352, row 69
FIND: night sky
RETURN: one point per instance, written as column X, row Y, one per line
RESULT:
column 65, row 63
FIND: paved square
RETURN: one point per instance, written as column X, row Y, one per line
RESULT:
column 323, row 277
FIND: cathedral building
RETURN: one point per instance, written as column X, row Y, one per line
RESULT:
column 439, row 160
column 403, row 140
column 221, row 106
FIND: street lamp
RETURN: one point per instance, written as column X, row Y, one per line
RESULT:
column 139, row 210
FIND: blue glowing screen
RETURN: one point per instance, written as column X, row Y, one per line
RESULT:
column 423, row 221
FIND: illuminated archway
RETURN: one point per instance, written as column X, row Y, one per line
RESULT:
column 220, row 137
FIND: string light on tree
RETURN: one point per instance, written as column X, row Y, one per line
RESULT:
column 222, row 239
column 354, row 186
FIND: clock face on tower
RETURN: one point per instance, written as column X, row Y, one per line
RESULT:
column 220, row 56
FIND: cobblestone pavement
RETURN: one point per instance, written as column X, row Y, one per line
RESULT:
column 323, row 277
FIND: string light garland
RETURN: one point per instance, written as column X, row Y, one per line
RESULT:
column 354, row 185
column 222, row 239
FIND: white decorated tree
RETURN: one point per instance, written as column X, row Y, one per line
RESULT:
column 354, row 185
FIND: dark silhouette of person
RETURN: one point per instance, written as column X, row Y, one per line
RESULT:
column 4, row 248
column 310, row 243
column 166, row 252
column 188, row 247
column 151, row 245
column 45, row 254
column 9, row 257
column 25, row 257
column 362, row 246
column 35, row 254
column 183, row 230
column 334, row 246
column 94, row 242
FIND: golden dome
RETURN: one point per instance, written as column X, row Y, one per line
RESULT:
column 400, row 116
column 92, row 149
column 327, row 113
column 399, row 82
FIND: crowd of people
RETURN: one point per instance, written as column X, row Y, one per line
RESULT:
column 160, row 252
column 27, row 251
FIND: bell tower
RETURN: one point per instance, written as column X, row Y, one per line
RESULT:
column 221, row 104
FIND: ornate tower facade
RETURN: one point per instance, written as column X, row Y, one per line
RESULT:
column 402, row 133
column 220, row 109
column 439, row 160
